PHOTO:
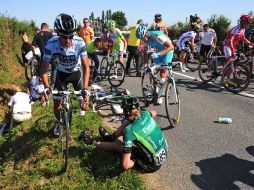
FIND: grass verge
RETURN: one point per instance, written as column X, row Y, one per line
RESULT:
column 30, row 157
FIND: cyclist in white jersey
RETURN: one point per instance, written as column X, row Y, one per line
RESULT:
column 69, row 54
column 185, row 38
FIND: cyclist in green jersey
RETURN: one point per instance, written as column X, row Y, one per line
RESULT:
column 143, row 141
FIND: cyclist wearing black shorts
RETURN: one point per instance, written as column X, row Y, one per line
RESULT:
column 72, row 65
column 143, row 141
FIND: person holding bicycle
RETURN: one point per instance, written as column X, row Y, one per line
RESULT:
column 72, row 63
column 236, row 34
column 185, row 38
column 119, row 42
column 164, row 47
column 143, row 141
column 91, row 48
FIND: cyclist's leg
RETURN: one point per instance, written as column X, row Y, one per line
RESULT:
column 60, row 84
column 94, row 57
column 130, row 56
column 168, row 60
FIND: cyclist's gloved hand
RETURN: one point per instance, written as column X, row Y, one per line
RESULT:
column 85, row 92
column 155, row 55
column 47, row 91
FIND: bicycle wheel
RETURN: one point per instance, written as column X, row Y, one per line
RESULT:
column 192, row 61
column 237, row 80
column 104, row 67
column 148, row 88
column 172, row 104
column 207, row 70
column 64, row 137
column 116, row 74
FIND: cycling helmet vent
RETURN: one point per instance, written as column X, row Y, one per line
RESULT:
column 65, row 25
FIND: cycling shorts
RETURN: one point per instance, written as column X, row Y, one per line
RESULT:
column 227, row 51
column 143, row 158
column 63, row 79
column 164, row 59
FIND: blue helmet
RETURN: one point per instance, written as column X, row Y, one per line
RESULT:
column 141, row 31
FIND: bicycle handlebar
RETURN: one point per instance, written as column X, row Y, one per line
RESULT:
column 66, row 92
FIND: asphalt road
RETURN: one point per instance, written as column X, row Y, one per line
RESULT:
column 204, row 154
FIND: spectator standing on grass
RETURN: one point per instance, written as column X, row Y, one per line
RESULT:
column 41, row 38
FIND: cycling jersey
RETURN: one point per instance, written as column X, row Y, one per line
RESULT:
column 157, row 39
column 66, row 60
column 144, row 130
column 116, row 36
column 235, row 32
column 160, row 26
column 90, row 48
column 185, row 37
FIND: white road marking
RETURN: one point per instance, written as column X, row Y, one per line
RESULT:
column 217, row 85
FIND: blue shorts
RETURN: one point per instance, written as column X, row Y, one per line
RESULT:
column 164, row 59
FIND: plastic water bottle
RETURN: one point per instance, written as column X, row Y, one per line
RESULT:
column 225, row 120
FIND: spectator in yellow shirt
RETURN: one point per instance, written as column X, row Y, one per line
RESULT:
column 86, row 32
column 132, row 47
column 159, row 25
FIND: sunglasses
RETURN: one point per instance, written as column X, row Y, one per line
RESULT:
column 67, row 37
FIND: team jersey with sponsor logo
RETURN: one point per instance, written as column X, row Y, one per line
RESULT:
column 235, row 32
column 187, row 36
column 144, row 130
column 157, row 40
column 67, row 60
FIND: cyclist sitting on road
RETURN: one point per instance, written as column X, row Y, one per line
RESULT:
column 119, row 42
column 91, row 48
column 164, row 47
column 159, row 25
column 208, row 41
column 69, row 54
column 143, row 141
column 185, row 38
column 236, row 34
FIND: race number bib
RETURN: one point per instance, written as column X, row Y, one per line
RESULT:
column 161, row 156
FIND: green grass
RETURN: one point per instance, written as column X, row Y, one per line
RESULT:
column 30, row 157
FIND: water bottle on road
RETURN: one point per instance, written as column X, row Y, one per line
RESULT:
column 225, row 120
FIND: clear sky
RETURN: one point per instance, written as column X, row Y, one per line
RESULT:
column 172, row 11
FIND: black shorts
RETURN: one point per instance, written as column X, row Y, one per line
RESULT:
column 63, row 79
column 204, row 49
column 143, row 158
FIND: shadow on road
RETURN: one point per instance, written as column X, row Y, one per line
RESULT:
column 223, row 172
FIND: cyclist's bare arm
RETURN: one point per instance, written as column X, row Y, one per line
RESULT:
column 44, row 74
column 125, row 43
column 193, row 44
column 126, row 161
column 246, row 41
column 86, row 73
column 169, row 48
column 214, row 41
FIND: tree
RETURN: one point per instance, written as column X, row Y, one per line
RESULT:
column 91, row 18
column 176, row 30
column 221, row 25
column 119, row 18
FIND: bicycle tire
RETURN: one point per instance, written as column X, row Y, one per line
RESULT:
column 172, row 104
column 192, row 61
column 116, row 74
column 104, row 67
column 148, row 87
column 207, row 70
column 236, row 82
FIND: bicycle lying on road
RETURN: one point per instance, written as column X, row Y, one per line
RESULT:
column 152, row 89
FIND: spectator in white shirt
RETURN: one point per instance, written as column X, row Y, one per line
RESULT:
column 208, row 41
column 19, row 108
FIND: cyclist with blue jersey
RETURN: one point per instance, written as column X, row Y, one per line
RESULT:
column 164, row 49
column 69, row 54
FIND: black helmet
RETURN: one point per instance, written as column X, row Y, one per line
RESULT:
column 65, row 25
column 130, row 103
